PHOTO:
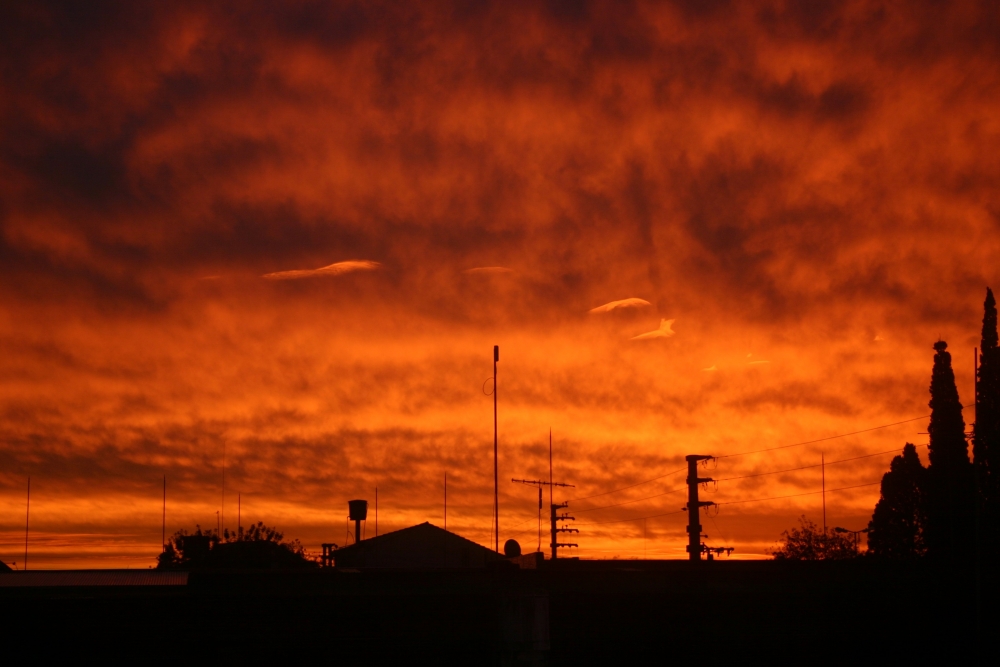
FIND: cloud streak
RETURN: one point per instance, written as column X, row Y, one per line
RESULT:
column 621, row 304
column 335, row 269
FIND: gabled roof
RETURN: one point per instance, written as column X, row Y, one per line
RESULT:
column 423, row 545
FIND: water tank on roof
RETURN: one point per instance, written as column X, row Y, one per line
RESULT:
column 511, row 548
column 357, row 510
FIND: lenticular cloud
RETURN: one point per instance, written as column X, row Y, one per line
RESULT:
column 335, row 269
column 665, row 331
column 621, row 303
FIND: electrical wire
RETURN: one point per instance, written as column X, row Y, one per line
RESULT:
column 631, row 486
column 628, row 502
column 815, row 465
column 832, row 437
column 756, row 451
column 638, row 518
column 796, row 495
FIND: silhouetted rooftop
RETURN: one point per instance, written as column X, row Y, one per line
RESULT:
column 420, row 546
column 45, row 578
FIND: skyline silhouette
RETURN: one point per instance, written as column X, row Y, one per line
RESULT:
column 289, row 240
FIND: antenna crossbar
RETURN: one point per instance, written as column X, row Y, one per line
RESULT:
column 540, row 483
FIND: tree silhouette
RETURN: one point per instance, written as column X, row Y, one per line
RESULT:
column 986, row 439
column 809, row 542
column 949, row 491
column 900, row 518
column 256, row 547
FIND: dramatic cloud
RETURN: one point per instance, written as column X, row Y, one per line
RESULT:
column 664, row 331
column 335, row 269
column 621, row 304
column 815, row 182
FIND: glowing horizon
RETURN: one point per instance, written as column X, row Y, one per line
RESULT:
column 298, row 233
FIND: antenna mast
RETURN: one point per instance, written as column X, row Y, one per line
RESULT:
column 496, row 473
column 553, row 507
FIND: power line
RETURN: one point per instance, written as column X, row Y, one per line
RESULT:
column 832, row 437
column 638, row 518
column 522, row 523
column 815, row 465
column 637, row 500
column 632, row 486
column 796, row 495
column 756, row 451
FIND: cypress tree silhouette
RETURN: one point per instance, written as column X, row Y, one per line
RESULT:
column 986, row 441
column 900, row 518
column 950, row 500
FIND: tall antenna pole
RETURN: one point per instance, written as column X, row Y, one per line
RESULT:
column 550, row 466
column 496, row 473
column 446, row 501
column 376, row 511
column 822, row 461
column 163, row 539
column 27, row 514
column 555, row 518
column 222, row 524
column 239, row 516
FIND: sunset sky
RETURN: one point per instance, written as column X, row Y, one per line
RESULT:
column 808, row 190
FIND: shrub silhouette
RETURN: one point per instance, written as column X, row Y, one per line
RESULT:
column 809, row 542
column 258, row 547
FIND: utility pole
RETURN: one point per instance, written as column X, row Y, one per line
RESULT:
column 164, row 528
column 822, row 464
column 496, row 473
column 27, row 516
column 222, row 523
column 446, row 501
column 555, row 518
column 694, row 546
column 540, row 484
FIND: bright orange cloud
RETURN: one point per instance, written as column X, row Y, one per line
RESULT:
column 791, row 182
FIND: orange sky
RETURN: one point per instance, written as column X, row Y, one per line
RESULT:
column 811, row 187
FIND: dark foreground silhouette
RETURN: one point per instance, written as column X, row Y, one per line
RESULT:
column 573, row 613
column 257, row 547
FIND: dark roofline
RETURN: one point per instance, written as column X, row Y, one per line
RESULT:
column 388, row 537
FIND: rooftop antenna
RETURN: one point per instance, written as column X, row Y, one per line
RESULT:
column 222, row 523
column 27, row 514
column 496, row 473
column 164, row 538
column 540, row 484
column 554, row 518
column 822, row 463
